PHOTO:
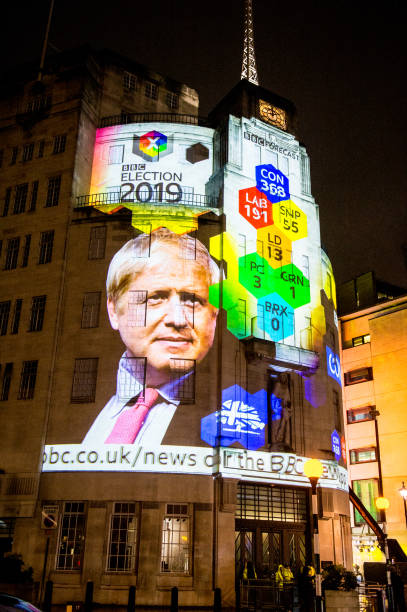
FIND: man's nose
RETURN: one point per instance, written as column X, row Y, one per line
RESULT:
column 175, row 314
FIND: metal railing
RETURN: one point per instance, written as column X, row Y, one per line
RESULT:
column 265, row 595
column 126, row 118
column 183, row 199
column 372, row 597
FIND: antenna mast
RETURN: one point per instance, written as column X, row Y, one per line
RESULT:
column 249, row 70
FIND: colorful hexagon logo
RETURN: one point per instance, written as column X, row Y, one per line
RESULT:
column 290, row 219
column 274, row 246
column 255, row 207
column 272, row 182
column 152, row 146
column 256, row 275
column 293, row 286
column 275, row 317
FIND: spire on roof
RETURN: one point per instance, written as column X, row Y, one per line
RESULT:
column 249, row 70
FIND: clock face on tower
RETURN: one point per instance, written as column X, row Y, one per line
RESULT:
column 272, row 114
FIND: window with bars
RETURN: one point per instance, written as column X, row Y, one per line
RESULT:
column 84, row 380
column 14, row 155
column 38, row 103
column 271, row 503
column 90, row 309
column 13, row 247
column 28, row 152
column 27, row 380
column 151, row 90
column 46, row 247
column 176, row 540
column 358, row 376
column 16, row 316
column 337, row 410
column 7, row 199
column 54, row 187
column 172, row 100
column 41, row 147
column 37, row 313
column 59, row 144
column 121, row 555
column 4, row 316
column 26, row 251
column 6, row 382
column 129, row 80
column 116, row 153
column 71, row 541
column 132, row 374
column 136, row 308
column 97, row 242
column 1, row 157
column 183, row 380
column 20, row 198
column 34, row 195
column 362, row 455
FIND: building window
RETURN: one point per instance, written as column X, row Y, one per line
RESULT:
column 132, row 373
column 97, row 242
column 13, row 246
column 136, row 308
column 37, row 313
column 7, row 199
column 363, row 455
column 176, row 540
column 122, row 538
column 337, row 410
column 41, row 146
column 365, row 339
column 172, row 100
column 183, row 380
column 266, row 503
column 151, row 90
column 28, row 152
column 358, row 376
column 4, row 315
column 34, row 194
column 84, row 380
column 6, row 382
column 129, row 81
column 27, row 380
column 20, row 198
column 71, row 541
column 14, row 154
column 356, row 415
column 46, row 247
column 38, row 103
column 16, row 316
column 367, row 491
column 116, row 153
column 1, row 157
column 54, row 186
column 90, row 310
column 59, row 144
column 26, row 251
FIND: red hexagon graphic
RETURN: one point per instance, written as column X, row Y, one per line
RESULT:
column 255, row 207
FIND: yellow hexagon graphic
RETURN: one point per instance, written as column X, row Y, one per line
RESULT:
column 290, row 219
column 274, row 246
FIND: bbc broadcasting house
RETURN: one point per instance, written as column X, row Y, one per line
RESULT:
column 98, row 152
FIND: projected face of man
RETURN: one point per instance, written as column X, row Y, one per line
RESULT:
column 180, row 322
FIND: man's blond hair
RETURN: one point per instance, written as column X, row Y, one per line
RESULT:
column 138, row 252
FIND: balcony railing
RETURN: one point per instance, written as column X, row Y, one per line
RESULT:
column 125, row 118
column 147, row 197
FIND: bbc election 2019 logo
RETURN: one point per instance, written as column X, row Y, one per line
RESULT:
column 333, row 365
column 152, row 146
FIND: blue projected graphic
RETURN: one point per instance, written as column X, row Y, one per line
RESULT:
column 333, row 365
column 336, row 444
column 272, row 182
column 275, row 316
column 276, row 407
column 242, row 418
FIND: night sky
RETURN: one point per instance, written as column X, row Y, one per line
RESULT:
column 343, row 64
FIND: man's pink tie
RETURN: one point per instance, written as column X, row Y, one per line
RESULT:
column 130, row 421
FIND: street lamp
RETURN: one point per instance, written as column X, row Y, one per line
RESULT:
column 313, row 469
column 403, row 493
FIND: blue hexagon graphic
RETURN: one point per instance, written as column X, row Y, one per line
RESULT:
column 275, row 317
column 272, row 182
column 242, row 418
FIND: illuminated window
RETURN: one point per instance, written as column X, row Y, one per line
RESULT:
column 136, row 308
column 59, row 144
column 97, row 242
column 268, row 503
column 34, row 194
column 26, row 251
column 16, row 316
column 129, row 80
column 20, row 198
column 14, row 154
column 71, row 543
column 37, row 313
column 4, row 315
column 90, row 310
column 13, row 247
column 355, row 415
column 41, row 146
column 6, row 382
column 84, row 380
column 46, row 247
column 183, row 380
column 358, row 376
column 175, row 540
column 27, row 380
column 363, row 455
column 367, row 491
column 54, row 187
column 116, row 153
column 132, row 374
column 7, row 199
column 151, row 90
column 365, row 339
column 28, row 152
column 122, row 538
column 172, row 100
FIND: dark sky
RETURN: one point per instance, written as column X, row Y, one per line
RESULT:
column 342, row 62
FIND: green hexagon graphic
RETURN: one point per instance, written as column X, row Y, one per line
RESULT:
column 292, row 286
column 256, row 275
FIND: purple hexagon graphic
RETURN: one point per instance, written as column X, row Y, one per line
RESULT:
column 272, row 182
column 275, row 317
